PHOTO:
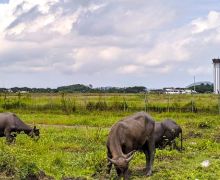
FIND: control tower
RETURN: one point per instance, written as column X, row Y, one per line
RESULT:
column 216, row 63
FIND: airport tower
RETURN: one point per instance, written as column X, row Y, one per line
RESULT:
column 216, row 63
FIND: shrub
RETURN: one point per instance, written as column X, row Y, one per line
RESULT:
column 90, row 106
column 119, row 106
column 101, row 106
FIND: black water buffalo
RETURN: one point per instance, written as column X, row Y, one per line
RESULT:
column 165, row 133
column 131, row 134
column 10, row 125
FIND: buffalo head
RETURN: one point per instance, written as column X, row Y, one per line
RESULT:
column 121, row 163
column 35, row 133
column 171, row 130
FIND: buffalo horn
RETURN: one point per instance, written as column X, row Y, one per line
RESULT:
column 112, row 160
column 129, row 159
column 130, row 153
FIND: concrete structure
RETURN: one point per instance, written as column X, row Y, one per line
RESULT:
column 216, row 63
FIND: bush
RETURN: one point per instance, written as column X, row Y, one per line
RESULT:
column 67, row 105
column 90, row 106
column 101, row 106
column 119, row 106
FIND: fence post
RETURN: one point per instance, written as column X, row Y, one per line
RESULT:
column 192, row 104
column 193, row 93
column 5, row 99
column 86, row 100
column 145, row 102
column 124, row 100
column 168, row 106
column 19, row 99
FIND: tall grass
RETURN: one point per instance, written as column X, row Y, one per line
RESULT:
column 70, row 103
column 80, row 151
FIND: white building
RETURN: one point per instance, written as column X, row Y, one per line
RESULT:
column 178, row 91
column 216, row 63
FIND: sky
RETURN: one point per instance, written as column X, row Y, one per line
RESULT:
column 160, row 43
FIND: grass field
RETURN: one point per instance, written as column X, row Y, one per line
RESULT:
column 72, row 143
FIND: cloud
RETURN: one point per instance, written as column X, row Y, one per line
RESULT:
column 201, row 70
column 119, row 19
column 212, row 21
column 106, row 39
column 130, row 69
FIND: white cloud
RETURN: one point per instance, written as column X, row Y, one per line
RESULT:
column 110, row 53
column 201, row 70
column 164, row 52
column 106, row 38
column 129, row 69
column 203, row 24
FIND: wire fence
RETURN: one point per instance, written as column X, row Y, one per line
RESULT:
column 70, row 103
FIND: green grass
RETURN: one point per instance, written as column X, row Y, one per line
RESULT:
column 60, row 151
column 80, row 151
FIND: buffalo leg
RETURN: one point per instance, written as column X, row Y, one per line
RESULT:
column 175, row 146
column 119, row 173
column 9, row 137
column 109, row 166
column 149, row 153
column 126, row 175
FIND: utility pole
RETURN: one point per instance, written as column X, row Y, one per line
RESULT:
column 194, row 83
column 124, row 101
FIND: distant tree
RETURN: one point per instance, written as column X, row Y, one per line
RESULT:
column 74, row 88
column 203, row 88
column 78, row 88
column 135, row 89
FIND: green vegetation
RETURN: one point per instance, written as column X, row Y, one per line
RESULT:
column 203, row 88
column 68, row 103
column 74, row 129
column 77, row 88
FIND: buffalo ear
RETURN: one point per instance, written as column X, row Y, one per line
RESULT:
column 34, row 127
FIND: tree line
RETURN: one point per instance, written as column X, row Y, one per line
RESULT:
column 80, row 88
column 77, row 88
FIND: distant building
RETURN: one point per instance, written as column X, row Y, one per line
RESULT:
column 9, row 90
column 172, row 90
column 178, row 91
column 216, row 63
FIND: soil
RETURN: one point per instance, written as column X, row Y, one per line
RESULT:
column 39, row 176
column 193, row 134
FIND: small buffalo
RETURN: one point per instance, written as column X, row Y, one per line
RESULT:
column 10, row 124
column 131, row 134
column 165, row 133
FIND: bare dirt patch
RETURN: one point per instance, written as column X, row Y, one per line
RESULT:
column 216, row 138
column 192, row 134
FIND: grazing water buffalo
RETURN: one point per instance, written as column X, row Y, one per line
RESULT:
column 165, row 133
column 10, row 124
column 127, row 136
